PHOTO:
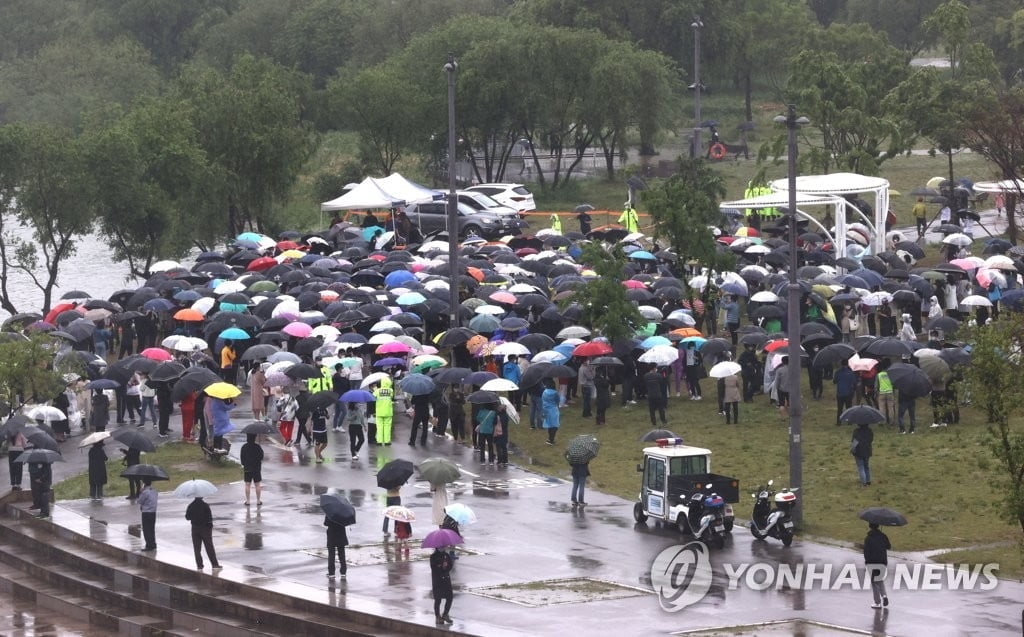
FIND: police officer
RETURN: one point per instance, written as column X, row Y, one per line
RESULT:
column 629, row 218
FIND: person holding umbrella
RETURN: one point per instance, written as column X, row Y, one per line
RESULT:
column 603, row 395
column 147, row 506
column 876, row 560
column 487, row 420
column 860, row 447
column 199, row 514
column 337, row 540
column 441, row 565
column 251, row 457
column 287, row 407
column 228, row 355
column 319, row 426
column 40, row 476
column 220, row 410
column 580, row 472
column 99, row 413
column 97, row 471
column 384, row 396
column 356, row 417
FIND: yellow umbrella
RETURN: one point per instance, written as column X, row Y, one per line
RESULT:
column 223, row 391
column 824, row 290
column 292, row 254
column 935, row 182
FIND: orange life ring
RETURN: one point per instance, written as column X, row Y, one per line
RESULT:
column 717, row 151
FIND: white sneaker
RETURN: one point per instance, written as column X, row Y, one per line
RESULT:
column 876, row 605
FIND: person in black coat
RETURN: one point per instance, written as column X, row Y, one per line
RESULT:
column 199, row 514
column 40, row 476
column 441, row 580
column 860, row 447
column 164, row 407
column 99, row 414
column 876, row 559
column 97, row 471
column 131, row 458
column 580, row 471
column 603, row 400
column 655, row 395
column 337, row 540
column 251, row 457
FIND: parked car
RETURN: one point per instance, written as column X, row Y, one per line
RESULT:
column 433, row 217
column 512, row 195
column 482, row 203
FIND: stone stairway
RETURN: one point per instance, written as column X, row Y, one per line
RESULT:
column 131, row 594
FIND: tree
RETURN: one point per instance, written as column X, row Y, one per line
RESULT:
column 683, row 208
column 996, row 376
column 27, row 373
column 251, row 125
column 902, row 22
column 950, row 26
column 605, row 307
column 45, row 186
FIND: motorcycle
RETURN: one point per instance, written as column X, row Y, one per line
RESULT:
column 706, row 520
column 778, row 522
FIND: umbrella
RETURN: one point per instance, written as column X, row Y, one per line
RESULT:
column 499, row 384
column 478, row 378
column 441, row 538
column 338, row 509
column 394, row 474
column 234, row 334
column 482, row 397
column 882, row 516
column 322, row 400
column 145, row 471
column 958, row 239
column 724, row 369
column 656, row 434
column 582, row 449
column 936, row 368
column 167, row 371
column 222, row 390
column 258, row 428
column 46, row 456
column 399, row 513
column 605, row 360
column 833, row 354
column 859, row 364
column 461, row 513
column 373, row 379
column 133, row 439
column 357, row 396
column 40, row 439
column 862, row 415
column 439, row 471
column 93, row 438
column 574, row 331
column 257, row 352
column 911, row 381
column 888, row 346
column 46, row 413
column 660, row 355
column 416, row 384
column 195, row 489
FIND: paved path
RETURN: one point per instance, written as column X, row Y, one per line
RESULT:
column 527, row 533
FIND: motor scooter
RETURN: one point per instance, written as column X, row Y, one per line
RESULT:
column 768, row 522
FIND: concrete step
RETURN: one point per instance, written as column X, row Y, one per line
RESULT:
column 183, row 598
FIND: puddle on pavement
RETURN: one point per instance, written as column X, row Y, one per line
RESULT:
column 386, row 553
column 22, row 618
column 794, row 628
column 559, row 591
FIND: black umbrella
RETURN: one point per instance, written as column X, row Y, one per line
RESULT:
column 533, row 374
column 322, row 400
column 585, row 207
column 259, row 428
column 833, row 354
column 955, row 356
column 167, row 371
column 257, row 352
column 582, row 449
column 133, row 439
column 456, row 336
column 754, row 339
column 888, row 346
column 537, row 342
column 338, row 509
column 911, row 381
column 13, row 425
column 882, row 516
column 302, row 371
column 40, row 439
column 947, row 324
column 145, row 472
column 143, row 365
column 46, row 456
column 862, row 415
column 560, row 371
column 655, row 434
column 395, row 473
column 605, row 360
column 482, row 397
column 452, row 375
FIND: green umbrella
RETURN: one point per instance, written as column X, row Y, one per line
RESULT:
column 582, row 449
column 439, row 471
column 262, row 286
column 936, row 368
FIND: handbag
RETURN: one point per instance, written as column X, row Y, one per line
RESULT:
column 853, row 446
column 499, row 430
column 854, row 324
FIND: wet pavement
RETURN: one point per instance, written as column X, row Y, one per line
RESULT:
column 532, row 565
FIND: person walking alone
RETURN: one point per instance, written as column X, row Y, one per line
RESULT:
column 860, row 447
column 199, row 514
column 337, row 540
column 251, row 457
column 731, row 399
column 356, row 417
column 876, row 562
column 580, row 472
column 441, row 582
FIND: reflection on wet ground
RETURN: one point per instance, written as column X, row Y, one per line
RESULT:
column 19, row 618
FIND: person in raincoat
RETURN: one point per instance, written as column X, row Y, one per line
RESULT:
column 97, row 471
column 556, row 223
column 907, row 333
column 384, row 410
column 221, row 412
column 629, row 218
column 549, row 401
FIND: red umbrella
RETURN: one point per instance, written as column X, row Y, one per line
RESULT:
column 156, row 354
column 260, row 264
column 287, row 245
column 592, row 348
column 776, row 345
column 61, row 307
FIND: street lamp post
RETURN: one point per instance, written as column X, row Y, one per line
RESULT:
column 796, row 455
column 450, row 68
column 697, row 144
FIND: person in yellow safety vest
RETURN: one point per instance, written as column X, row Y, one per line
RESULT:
column 323, row 382
column 630, row 218
column 766, row 213
column 384, row 396
column 749, row 193
column 556, row 223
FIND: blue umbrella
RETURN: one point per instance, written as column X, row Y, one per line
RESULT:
column 411, row 298
column 478, row 378
column 158, row 305
column 735, row 289
column 187, row 296
column 699, row 340
column 249, row 236
column 397, row 278
column 853, row 281
column 369, row 232
column 390, row 361
column 233, row 307
column 651, row 341
column 643, row 255
column 102, row 383
column 564, row 349
column 234, row 334
column 873, row 278
column 357, row 396
column 416, row 384
column 484, row 323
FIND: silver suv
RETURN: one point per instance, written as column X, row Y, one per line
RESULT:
column 433, row 217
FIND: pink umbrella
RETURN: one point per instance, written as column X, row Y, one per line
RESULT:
column 298, row 329
column 156, row 354
column 858, row 364
column 504, row 297
column 966, row 264
column 633, row 285
column 393, row 347
column 988, row 276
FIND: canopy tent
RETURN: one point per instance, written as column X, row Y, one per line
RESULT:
column 1006, row 185
column 388, row 192
column 781, row 200
column 840, row 184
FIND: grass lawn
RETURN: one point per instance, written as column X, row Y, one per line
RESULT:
column 1011, row 562
column 182, row 461
column 941, row 479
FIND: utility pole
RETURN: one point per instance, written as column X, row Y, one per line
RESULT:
column 697, row 143
column 450, row 67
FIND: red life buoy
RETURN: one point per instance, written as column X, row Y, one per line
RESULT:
column 717, row 151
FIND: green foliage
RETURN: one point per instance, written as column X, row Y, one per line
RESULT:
column 603, row 299
column 684, row 207
column 328, row 185
column 996, row 375
column 26, row 373
column 950, row 26
column 902, row 22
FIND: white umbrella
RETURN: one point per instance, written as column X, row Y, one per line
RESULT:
column 698, row 282
column 385, row 325
column 499, row 384
column 660, row 355
column 877, row 298
column 975, row 300
column 549, row 356
column 93, row 438
column 724, row 369
column 204, row 305
column 926, row 351
column 493, row 310
column 46, row 413
column 227, row 287
column 764, row 297
column 650, row 313
column 372, row 379
column 327, row 332
column 510, row 349
column 189, row 344
column 164, row 266
column 381, row 338
column 757, row 249
column 1000, row 262
column 510, row 410
column 195, row 489
column 684, row 317
column 573, row 331
column 958, row 239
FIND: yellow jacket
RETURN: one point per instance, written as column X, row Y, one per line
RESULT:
column 630, row 219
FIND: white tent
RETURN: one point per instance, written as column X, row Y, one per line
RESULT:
column 393, row 190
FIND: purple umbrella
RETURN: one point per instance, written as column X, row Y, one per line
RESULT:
column 441, row 538
column 391, row 361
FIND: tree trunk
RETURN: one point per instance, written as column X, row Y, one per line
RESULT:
column 1011, row 217
column 748, row 109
